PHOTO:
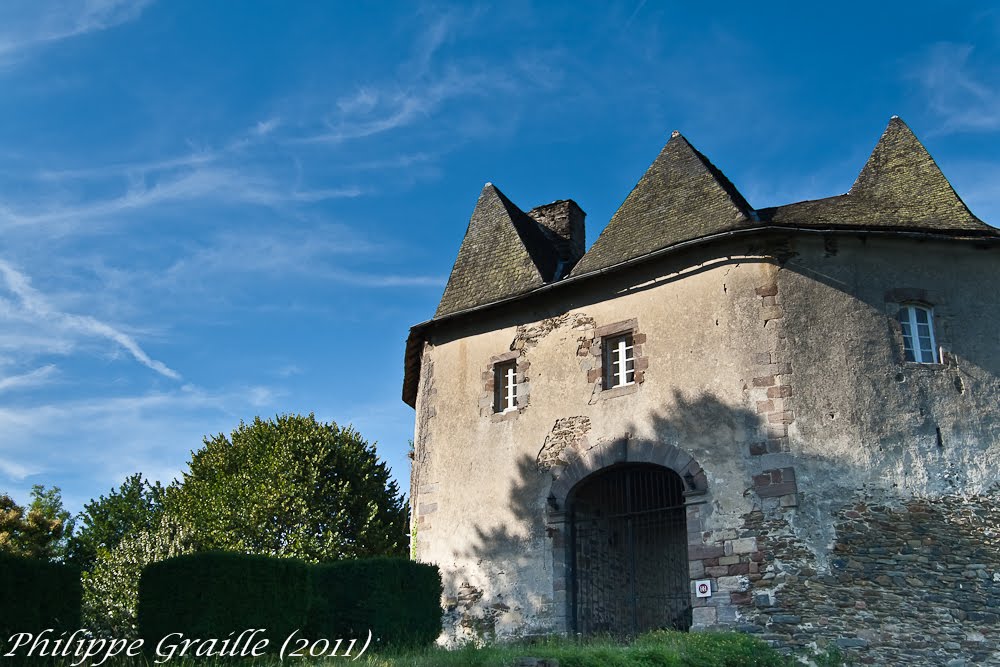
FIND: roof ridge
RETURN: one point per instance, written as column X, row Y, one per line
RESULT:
column 537, row 239
column 502, row 254
column 723, row 180
column 681, row 196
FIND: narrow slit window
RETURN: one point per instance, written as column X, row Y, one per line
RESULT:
column 619, row 361
column 505, row 386
column 918, row 334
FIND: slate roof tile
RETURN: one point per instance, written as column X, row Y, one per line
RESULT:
column 504, row 253
column 681, row 196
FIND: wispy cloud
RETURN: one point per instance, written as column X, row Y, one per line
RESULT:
column 397, row 105
column 33, row 307
column 208, row 184
column 317, row 253
column 15, row 470
column 359, row 279
column 34, row 378
column 29, row 24
column 419, row 88
column 266, row 127
column 964, row 95
column 129, row 169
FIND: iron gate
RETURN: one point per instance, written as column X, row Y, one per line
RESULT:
column 629, row 554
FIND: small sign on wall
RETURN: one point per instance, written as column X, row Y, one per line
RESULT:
column 703, row 588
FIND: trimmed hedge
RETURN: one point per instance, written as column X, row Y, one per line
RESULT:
column 210, row 594
column 397, row 599
column 205, row 595
column 36, row 595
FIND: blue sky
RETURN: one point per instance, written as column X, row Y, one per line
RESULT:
column 210, row 211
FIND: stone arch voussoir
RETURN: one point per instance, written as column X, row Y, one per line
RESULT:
column 627, row 450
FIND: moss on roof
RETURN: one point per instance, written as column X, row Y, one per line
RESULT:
column 900, row 187
column 504, row 253
column 681, row 196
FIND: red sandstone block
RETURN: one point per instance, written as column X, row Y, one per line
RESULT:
column 766, row 381
column 701, row 552
column 775, row 490
column 782, row 391
column 767, row 290
column 739, row 598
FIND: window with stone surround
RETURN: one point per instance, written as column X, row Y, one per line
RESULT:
column 613, row 357
column 505, row 386
column 618, row 354
column 917, row 322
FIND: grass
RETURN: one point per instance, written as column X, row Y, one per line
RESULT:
column 658, row 649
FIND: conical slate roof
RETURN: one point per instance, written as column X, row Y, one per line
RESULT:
column 504, row 253
column 900, row 187
column 681, row 196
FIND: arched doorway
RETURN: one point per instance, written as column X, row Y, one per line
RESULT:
column 629, row 560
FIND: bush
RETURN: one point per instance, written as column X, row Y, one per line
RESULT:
column 36, row 595
column 211, row 594
column 397, row 599
column 207, row 595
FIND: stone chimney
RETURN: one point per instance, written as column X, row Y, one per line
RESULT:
column 564, row 221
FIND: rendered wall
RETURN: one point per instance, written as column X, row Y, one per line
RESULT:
column 773, row 372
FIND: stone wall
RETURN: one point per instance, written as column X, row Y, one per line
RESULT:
column 908, row 583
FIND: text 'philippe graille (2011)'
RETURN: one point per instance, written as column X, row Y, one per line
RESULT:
column 80, row 647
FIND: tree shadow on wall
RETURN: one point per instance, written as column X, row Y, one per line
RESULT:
column 517, row 555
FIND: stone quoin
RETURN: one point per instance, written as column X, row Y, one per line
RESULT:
column 798, row 404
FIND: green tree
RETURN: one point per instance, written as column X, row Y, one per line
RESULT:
column 134, row 507
column 111, row 586
column 292, row 487
column 39, row 531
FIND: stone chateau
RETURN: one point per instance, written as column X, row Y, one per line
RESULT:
column 783, row 420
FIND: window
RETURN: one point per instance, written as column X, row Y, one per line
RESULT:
column 505, row 386
column 619, row 361
column 918, row 334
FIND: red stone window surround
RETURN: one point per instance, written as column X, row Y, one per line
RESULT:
column 595, row 355
column 488, row 402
